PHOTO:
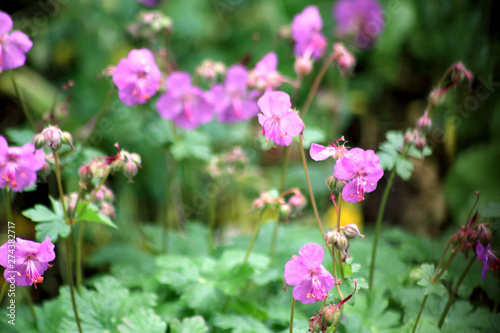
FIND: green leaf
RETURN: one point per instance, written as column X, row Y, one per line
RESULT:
column 404, row 168
column 20, row 136
column 193, row 145
column 194, row 324
column 177, row 271
column 249, row 308
column 492, row 210
column 313, row 135
column 426, row 273
column 142, row 320
column 48, row 223
column 240, row 324
column 91, row 213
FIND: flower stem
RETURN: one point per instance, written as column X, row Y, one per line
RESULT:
column 311, row 194
column 8, row 208
column 453, row 293
column 292, row 311
column 254, row 237
column 32, row 308
column 422, row 306
column 170, row 204
column 102, row 112
column 315, row 85
column 212, row 205
column 335, row 273
column 70, row 282
column 21, row 100
column 379, row 224
column 59, row 186
column 339, row 255
column 4, row 290
column 78, row 258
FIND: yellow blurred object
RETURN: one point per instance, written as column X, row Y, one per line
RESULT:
column 349, row 213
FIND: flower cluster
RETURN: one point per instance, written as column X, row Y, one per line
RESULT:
column 31, row 260
column 52, row 137
column 341, row 240
column 296, row 202
column 310, row 279
column 227, row 164
column 18, row 165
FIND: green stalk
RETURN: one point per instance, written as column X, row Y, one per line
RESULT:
column 8, row 208
column 70, row 282
column 339, row 255
column 254, row 237
column 169, row 204
column 32, row 308
column 59, row 186
column 4, row 290
column 21, row 100
column 454, row 292
column 102, row 112
column 379, row 224
column 212, row 205
column 315, row 85
column 292, row 311
column 422, row 306
column 78, row 258
column 311, row 194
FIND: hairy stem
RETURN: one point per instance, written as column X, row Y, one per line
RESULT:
column 422, row 306
column 70, row 282
column 59, row 186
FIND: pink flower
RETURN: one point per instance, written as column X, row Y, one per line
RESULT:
column 343, row 58
column 137, row 77
column 490, row 261
column 18, row 165
column 362, row 19
column 265, row 75
column 183, row 103
column 233, row 102
column 321, row 153
column 149, row 3
column 14, row 46
column 362, row 170
column 279, row 122
column 25, row 261
column 306, row 32
column 311, row 280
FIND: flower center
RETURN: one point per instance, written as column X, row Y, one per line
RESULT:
column 32, row 272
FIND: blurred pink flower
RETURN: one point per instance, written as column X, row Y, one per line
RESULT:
column 321, row 153
column 362, row 19
column 306, row 32
column 265, row 75
column 30, row 260
column 362, row 170
column 137, row 77
column 13, row 46
column 490, row 261
column 311, row 280
column 186, row 105
column 279, row 122
column 233, row 102
column 18, row 165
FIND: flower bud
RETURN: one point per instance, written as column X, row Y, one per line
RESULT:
column 331, row 313
column 471, row 237
column 67, row 139
column 315, row 324
column 44, row 172
column 424, row 123
column 303, row 66
column 85, row 173
column 52, row 136
column 335, row 185
column 436, row 96
column 297, row 201
column 285, row 209
column 420, row 142
column 130, row 170
column 344, row 58
column 338, row 240
column 484, row 235
column 352, row 231
column 38, row 141
column 107, row 209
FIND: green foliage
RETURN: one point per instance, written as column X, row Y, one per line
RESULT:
column 390, row 154
column 426, row 274
column 49, row 223
column 194, row 324
column 142, row 320
column 90, row 213
column 193, row 145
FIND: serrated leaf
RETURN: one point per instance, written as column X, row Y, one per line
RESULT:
column 177, row 271
column 249, row 308
column 404, row 168
column 48, row 223
column 194, row 324
column 90, row 214
column 193, row 145
column 143, row 320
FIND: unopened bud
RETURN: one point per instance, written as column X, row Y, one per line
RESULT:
column 38, row 141
column 424, row 123
column 335, row 185
column 297, row 201
column 484, row 234
column 338, row 240
column 303, row 66
column 285, row 209
column 331, row 313
column 471, row 237
column 352, row 231
column 67, row 139
column 52, row 136
column 130, row 170
column 344, row 58
column 315, row 324
column 436, row 96
column 420, row 142
column 107, row 209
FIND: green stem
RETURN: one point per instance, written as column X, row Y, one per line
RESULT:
column 169, row 204
column 70, row 282
column 292, row 311
column 274, row 242
column 315, row 85
column 284, row 166
column 32, row 308
column 102, row 112
column 4, row 290
column 422, row 306
column 311, row 194
column 454, row 292
column 339, row 255
column 79, row 245
column 379, row 224
column 59, row 186
column 254, row 237
column 212, row 205
column 335, row 273
column 8, row 208
column 21, row 100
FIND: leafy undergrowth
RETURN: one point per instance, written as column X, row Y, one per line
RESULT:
column 188, row 290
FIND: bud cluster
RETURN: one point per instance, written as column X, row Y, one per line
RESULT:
column 150, row 24
column 343, row 58
column 210, row 70
column 52, row 137
column 227, row 164
column 341, row 240
column 296, row 202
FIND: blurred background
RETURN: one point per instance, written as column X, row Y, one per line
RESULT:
column 77, row 40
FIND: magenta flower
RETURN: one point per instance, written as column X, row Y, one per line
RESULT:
column 14, row 46
column 306, row 32
column 18, row 165
column 187, row 106
column 321, row 153
column 362, row 19
column 311, row 280
column 486, row 255
column 137, row 77
column 362, row 170
column 149, row 3
column 25, row 261
column 265, row 75
column 279, row 122
column 233, row 102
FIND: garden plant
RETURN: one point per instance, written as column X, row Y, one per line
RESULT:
column 249, row 166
